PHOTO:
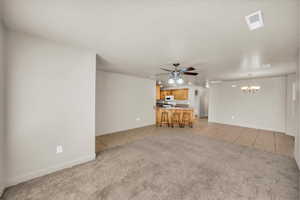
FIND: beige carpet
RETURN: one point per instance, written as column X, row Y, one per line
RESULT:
column 170, row 167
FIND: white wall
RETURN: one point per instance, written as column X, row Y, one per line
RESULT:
column 297, row 138
column 2, row 178
column 120, row 100
column 264, row 110
column 291, row 106
column 50, row 101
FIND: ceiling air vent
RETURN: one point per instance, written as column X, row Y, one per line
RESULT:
column 255, row 20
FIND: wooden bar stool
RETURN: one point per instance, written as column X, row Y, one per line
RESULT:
column 176, row 119
column 186, row 119
column 164, row 118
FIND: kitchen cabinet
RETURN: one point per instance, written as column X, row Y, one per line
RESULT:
column 162, row 94
column 179, row 94
column 165, row 93
column 157, row 92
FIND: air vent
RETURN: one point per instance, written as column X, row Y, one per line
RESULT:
column 255, row 20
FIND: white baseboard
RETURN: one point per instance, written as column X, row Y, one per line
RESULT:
column 248, row 126
column 42, row 172
column 126, row 129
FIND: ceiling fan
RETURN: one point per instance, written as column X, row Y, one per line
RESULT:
column 176, row 73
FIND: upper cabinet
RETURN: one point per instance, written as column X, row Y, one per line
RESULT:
column 157, row 92
column 179, row 94
column 164, row 93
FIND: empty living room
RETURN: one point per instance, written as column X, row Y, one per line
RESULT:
column 149, row 100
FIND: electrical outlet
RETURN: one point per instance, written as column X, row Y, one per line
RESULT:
column 232, row 117
column 138, row 119
column 59, row 149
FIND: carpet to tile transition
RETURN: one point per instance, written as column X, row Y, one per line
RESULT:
column 170, row 167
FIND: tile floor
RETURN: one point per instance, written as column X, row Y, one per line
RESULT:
column 269, row 141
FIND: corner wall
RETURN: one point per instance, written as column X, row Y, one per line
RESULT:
column 123, row 102
column 50, row 101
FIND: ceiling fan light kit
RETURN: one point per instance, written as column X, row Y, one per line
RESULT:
column 180, row 81
column 171, row 81
column 176, row 74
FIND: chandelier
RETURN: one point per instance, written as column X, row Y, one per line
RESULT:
column 250, row 89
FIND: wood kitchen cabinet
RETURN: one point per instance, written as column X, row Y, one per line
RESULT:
column 179, row 94
column 164, row 93
column 169, row 92
column 158, row 92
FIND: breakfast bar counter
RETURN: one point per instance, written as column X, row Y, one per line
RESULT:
column 175, row 116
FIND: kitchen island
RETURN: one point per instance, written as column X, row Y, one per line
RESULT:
column 183, row 113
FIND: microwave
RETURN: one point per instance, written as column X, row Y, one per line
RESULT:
column 169, row 98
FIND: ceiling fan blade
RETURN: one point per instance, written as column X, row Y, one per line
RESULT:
column 190, row 73
column 176, row 64
column 168, row 70
column 161, row 74
column 188, row 69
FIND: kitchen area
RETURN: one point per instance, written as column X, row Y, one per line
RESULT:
column 175, row 106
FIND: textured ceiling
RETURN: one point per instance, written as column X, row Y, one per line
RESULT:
column 138, row 36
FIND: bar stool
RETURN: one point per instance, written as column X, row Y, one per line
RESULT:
column 186, row 119
column 175, row 119
column 164, row 118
